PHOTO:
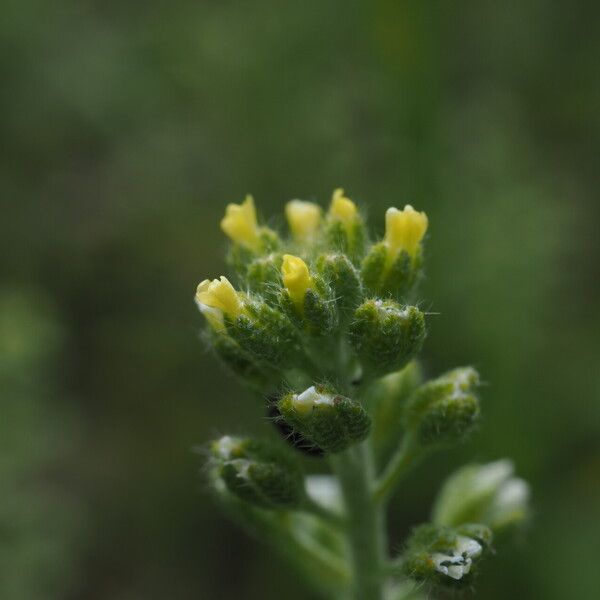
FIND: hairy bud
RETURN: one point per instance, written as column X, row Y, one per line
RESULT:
column 343, row 279
column 266, row 334
column 394, row 265
column 239, row 362
column 488, row 494
column 257, row 472
column 306, row 298
column 344, row 226
column 261, row 274
column 328, row 420
column 386, row 336
column 446, row 409
column 445, row 556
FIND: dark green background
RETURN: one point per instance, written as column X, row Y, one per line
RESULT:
column 124, row 130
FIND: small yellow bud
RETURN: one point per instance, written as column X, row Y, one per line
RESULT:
column 240, row 224
column 404, row 229
column 217, row 298
column 296, row 278
column 343, row 209
column 303, row 218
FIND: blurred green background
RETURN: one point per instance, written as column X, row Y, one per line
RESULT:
column 126, row 127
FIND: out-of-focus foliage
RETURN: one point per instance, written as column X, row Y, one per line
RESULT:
column 125, row 128
column 40, row 515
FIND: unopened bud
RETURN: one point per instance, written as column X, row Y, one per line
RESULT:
column 345, row 228
column 488, row 494
column 249, row 239
column 306, row 298
column 445, row 556
column 394, row 265
column 239, row 362
column 386, row 336
column 266, row 334
column 446, row 409
column 324, row 418
column 262, row 273
column 304, row 219
column 344, row 280
column 258, row 473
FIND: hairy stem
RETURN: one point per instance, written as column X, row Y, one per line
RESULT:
column 365, row 522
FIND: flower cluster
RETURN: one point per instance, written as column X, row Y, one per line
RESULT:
column 323, row 323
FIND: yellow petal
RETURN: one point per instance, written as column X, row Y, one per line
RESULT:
column 404, row 229
column 303, row 218
column 343, row 209
column 240, row 224
column 296, row 279
column 219, row 295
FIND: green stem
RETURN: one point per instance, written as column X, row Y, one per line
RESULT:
column 404, row 458
column 365, row 521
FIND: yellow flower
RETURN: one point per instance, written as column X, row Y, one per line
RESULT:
column 217, row 298
column 240, row 224
column 303, row 218
column 404, row 230
column 296, row 278
column 342, row 209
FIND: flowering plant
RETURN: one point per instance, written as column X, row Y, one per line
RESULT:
column 323, row 325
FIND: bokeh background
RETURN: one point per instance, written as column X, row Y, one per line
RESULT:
column 125, row 127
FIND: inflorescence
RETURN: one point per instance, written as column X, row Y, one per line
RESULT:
column 323, row 324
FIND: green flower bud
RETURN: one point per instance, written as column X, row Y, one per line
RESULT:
column 343, row 279
column 445, row 556
column 386, row 336
column 324, row 418
column 488, row 494
column 258, row 473
column 265, row 333
column 446, row 409
column 306, row 298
